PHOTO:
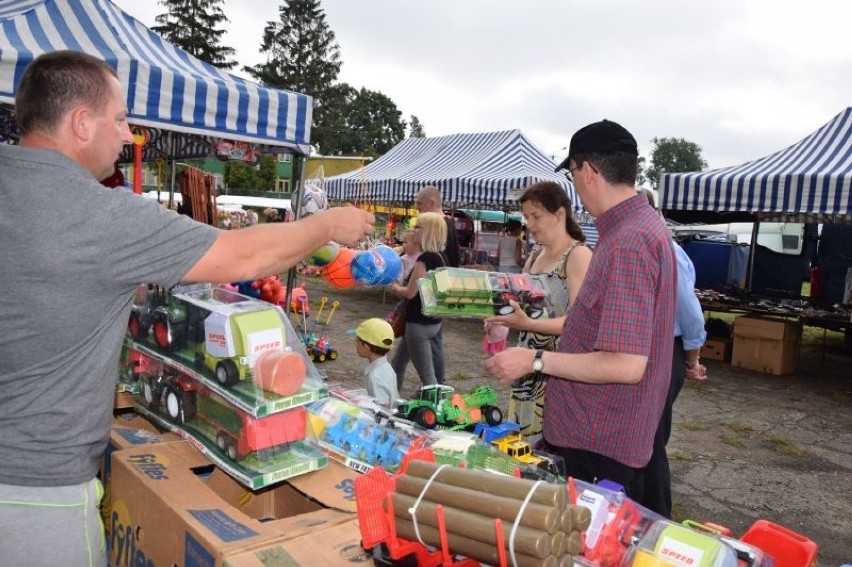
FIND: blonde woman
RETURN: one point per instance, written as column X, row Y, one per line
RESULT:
column 422, row 343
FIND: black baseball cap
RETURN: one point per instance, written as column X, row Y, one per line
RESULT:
column 601, row 137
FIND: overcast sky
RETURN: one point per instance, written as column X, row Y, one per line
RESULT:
column 740, row 78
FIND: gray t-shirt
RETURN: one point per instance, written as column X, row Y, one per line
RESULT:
column 72, row 253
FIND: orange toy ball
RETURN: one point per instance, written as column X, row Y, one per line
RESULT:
column 339, row 271
column 279, row 371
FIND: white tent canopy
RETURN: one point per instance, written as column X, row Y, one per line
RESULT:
column 166, row 87
column 484, row 170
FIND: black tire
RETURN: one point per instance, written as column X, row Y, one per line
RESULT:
column 333, row 354
column 226, row 373
column 493, row 415
column 221, row 441
column 426, row 417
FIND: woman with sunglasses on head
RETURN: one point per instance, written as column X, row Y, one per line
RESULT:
column 561, row 255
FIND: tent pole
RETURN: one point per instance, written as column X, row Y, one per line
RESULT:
column 296, row 199
column 752, row 248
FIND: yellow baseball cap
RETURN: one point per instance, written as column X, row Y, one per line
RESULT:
column 376, row 332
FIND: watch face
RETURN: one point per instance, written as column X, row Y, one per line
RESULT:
column 538, row 364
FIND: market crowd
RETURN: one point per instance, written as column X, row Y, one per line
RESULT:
column 595, row 379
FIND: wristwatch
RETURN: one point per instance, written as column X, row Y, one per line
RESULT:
column 538, row 363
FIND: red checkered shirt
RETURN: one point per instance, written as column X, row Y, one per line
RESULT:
column 626, row 305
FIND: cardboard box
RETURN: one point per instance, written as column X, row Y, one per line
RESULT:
column 766, row 345
column 128, row 430
column 172, row 507
column 717, row 349
column 332, row 546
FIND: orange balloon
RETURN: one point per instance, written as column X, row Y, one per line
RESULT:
column 339, row 271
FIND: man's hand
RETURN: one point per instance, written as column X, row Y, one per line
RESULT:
column 511, row 364
column 697, row 372
column 349, row 225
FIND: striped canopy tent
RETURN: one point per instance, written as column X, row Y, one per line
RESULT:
column 809, row 181
column 472, row 170
column 167, row 89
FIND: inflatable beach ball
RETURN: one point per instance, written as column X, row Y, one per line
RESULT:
column 339, row 272
column 368, row 267
column 393, row 264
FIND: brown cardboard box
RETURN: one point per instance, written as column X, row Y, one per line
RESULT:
column 766, row 345
column 717, row 349
column 336, row 545
column 128, row 430
column 172, row 507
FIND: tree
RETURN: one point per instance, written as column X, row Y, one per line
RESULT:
column 193, row 25
column 673, row 155
column 303, row 56
column 415, row 128
column 372, row 125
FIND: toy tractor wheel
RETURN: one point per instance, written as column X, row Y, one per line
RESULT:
column 179, row 407
column 321, row 357
column 312, row 355
column 231, row 450
column 221, row 441
column 149, row 390
column 226, row 373
column 426, row 417
column 134, row 326
column 493, row 415
column 332, row 355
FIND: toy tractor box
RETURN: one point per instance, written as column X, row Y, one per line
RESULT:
column 257, row 451
column 464, row 292
column 243, row 349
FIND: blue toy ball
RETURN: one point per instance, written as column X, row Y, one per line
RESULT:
column 393, row 264
column 367, row 267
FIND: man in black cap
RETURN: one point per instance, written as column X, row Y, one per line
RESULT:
column 610, row 376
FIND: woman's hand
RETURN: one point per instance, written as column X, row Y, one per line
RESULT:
column 511, row 364
column 517, row 319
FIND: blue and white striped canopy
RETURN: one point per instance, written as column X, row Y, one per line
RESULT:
column 486, row 170
column 812, row 178
column 166, row 87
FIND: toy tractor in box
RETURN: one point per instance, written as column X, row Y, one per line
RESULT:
column 440, row 404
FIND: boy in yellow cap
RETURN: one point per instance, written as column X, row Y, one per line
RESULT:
column 374, row 338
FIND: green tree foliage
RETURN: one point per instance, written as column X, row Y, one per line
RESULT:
column 252, row 179
column 302, row 56
column 415, row 128
column 673, row 155
column 194, row 26
column 372, row 124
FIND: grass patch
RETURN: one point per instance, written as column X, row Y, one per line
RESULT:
column 785, row 446
column 732, row 440
column 693, row 426
column 740, row 428
column 676, row 455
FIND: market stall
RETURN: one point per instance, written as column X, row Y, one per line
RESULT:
column 810, row 181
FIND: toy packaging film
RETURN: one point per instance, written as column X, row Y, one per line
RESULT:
column 464, row 292
column 227, row 373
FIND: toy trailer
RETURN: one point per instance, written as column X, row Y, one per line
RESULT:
column 185, row 402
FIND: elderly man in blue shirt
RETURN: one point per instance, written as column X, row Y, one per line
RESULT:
column 689, row 337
